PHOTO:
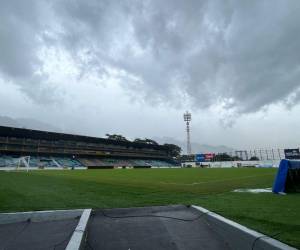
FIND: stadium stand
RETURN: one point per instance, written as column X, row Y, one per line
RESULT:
column 57, row 150
column 41, row 162
column 132, row 163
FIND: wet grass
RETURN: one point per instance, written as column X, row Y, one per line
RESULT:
column 210, row 188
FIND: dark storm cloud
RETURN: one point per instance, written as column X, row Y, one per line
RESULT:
column 244, row 54
column 21, row 28
column 18, row 26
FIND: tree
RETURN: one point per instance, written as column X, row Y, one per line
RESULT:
column 139, row 140
column 145, row 141
column 254, row 158
column 173, row 150
column 116, row 137
column 222, row 157
column 236, row 158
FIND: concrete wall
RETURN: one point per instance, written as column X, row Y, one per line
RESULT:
column 230, row 164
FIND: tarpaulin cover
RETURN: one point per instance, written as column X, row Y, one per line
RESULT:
column 282, row 174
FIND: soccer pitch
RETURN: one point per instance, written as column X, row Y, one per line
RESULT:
column 275, row 215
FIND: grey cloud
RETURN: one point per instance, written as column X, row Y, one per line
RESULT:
column 22, row 24
column 18, row 38
column 243, row 53
column 247, row 51
column 264, row 53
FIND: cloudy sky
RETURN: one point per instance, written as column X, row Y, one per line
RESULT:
column 133, row 67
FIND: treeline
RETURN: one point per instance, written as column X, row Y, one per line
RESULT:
column 173, row 150
column 227, row 157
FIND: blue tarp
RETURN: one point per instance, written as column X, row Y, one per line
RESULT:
column 282, row 173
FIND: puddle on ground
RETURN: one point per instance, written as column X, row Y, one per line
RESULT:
column 255, row 191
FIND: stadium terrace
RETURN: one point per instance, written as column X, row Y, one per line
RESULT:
column 41, row 150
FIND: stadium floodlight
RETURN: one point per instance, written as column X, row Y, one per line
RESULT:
column 187, row 117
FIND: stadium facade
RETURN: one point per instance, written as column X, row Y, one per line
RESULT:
column 51, row 150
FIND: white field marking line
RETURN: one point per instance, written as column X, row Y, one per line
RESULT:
column 76, row 240
column 205, row 182
column 253, row 190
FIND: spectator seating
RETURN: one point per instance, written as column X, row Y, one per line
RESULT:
column 112, row 162
column 41, row 162
column 49, row 162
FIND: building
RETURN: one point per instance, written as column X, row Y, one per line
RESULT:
column 50, row 149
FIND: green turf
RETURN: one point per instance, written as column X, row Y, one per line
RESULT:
column 210, row 188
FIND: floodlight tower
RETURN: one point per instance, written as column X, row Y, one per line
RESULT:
column 187, row 117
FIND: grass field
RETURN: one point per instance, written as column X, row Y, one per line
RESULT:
column 210, row 188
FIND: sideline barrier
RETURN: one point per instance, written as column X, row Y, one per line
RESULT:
column 37, row 216
column 241, row 237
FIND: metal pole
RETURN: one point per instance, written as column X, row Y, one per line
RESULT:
column 189, row 148
column 187, row 117
column 279, row 154
column 261, row 158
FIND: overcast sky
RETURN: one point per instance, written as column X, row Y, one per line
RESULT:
column 133, row 67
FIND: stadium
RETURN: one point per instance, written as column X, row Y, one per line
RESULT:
column 147, row 181
column 153, row 125
column 40, row 149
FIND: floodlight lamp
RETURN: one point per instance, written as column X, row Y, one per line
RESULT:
column 187, row 116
